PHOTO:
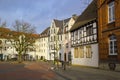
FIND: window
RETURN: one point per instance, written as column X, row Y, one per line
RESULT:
column 67, row 45
column 61, row 37
column 89, row 31
column 76, row 52
column 5, row 48
column 111, row 12
column 54, row 30
column 60, row 58
column 44, row 45
column 66, row 36
column 51, row 38
column 51, row 47
column 58, row 37
column 88, row 52
column 112, row 45
column 81, row 52
column 76, row 35
column 72, row 37
column 5, row 41
column 59, row 46
column 80, row 35
column 51, row 31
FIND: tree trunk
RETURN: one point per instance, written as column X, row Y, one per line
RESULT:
column 19, row 58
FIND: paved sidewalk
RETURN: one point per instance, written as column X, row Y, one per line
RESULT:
column 85, row 73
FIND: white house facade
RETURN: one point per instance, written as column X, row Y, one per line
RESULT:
column 7, row 49
column 44, row 45
column 56, row 39
column 84, row 38
column 53, row 39
column 67, row 39
column 7, row 45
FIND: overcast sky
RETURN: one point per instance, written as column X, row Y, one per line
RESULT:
column 40, row 12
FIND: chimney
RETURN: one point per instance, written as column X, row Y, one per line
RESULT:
column 74, row 16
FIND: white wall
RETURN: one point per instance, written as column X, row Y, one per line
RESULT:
column 44, row 48
column 93, row 62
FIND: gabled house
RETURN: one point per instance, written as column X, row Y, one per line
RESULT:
column 53, row 38
column 67, row 38
column 56, row 38
column 109, row 31
column 7, row 50
column 62, row 43
column 33, row 50
column 84, row 37
column 44, row 45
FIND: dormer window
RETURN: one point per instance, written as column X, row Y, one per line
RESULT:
column 111, row 12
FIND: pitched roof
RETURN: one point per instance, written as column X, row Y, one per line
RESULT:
column 58, row 23
column 4, row 32
column 2, row 29
column 89, row 14
column 62, row 23
column 66, row 20
column 45, row 33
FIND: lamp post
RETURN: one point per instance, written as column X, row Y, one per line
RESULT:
column 35, row 53
column 1, row 49
column 54, row 54
column 1, row 46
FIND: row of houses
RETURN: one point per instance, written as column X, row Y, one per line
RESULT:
column 11, row 40
column 89, row 39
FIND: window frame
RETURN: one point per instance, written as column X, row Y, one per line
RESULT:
column 88, row 51
column 113, row 45
column 111, row 12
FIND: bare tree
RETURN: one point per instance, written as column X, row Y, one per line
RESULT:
column 56, row 48
column 21, row 26
column 23, row 38
column 3, row 23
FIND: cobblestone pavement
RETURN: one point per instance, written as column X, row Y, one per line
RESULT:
column 26, row 71
column 44, row 71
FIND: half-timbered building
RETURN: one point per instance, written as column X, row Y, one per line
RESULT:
column 84, row 37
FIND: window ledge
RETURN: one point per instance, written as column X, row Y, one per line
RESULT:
column 112, row 55
column 111, row 23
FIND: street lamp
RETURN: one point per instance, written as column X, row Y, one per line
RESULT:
column 1, row 49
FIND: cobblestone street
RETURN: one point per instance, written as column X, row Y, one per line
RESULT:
column 26, row 71
column 43, row 71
